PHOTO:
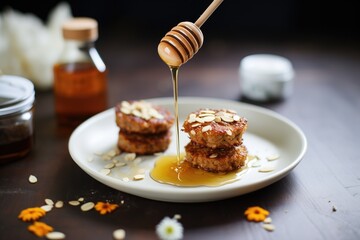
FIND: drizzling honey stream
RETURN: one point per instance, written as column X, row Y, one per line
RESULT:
column 174, row 75
column 177, row 47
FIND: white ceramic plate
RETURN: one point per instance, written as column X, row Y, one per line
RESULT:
column 268, row 133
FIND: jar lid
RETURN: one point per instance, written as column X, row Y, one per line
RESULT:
column 16, row 94
column 267, row 67
column 81, row 28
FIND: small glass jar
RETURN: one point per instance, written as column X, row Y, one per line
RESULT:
column 17, row 97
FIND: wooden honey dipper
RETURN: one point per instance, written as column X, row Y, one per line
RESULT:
column 183, row 41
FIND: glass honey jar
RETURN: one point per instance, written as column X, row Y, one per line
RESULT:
column 17, row 97
column 80, row 75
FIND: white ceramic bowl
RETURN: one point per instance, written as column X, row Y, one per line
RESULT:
column 266, row 77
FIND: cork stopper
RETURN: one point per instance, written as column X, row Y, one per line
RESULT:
column 80, row 28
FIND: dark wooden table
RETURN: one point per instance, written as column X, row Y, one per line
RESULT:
column 325, row 104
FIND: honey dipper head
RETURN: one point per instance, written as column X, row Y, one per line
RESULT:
column 180, row 44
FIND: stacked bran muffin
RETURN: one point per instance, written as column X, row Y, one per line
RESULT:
column 144, row 127
column 216, row 140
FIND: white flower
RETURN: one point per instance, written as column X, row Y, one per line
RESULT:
column 169, row 229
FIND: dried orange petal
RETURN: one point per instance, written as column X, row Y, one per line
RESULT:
column 105, row 207
column 40, row 229
column 31, row 214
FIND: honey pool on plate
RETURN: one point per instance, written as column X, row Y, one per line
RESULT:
column 168, row 171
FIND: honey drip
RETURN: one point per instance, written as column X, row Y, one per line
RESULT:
column 174, row 76
column 168, row 171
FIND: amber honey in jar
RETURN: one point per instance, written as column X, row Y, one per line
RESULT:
column 17, row 97
column 80, row 76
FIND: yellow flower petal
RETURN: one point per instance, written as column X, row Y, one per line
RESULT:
column 256, row 214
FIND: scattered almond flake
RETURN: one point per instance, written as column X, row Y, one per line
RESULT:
column 177, row 216
column 115, row 161
column 105, row 171
column 146, row 116
column 272, row 157
column 200, row 120
column 202, row 115
column 120, row 164
column 138, row 177
column 141, row 109
column 191, row 120
column 182, row 129
column 214, row 155
column 109, row 165
column 81, row 199
column 231, row 111
column 192, row 132
column 251, row 157
column 59, row 204
column 207, row 111
column 256, row 164
column 125, row 104
column 227, row 119
column 154, row 113
column 130, row 156
column 106, row 157
column 141, row 170
column 55, row 235
column 267, row 220
column 74, row 203
column 98, row 154
column 236, row 118
column 126, row 179
column 209, row 119
column 268, row 227
column 136, row 113
column 206, row 128
column 217, row 119
column 119, row 156
column 266, row 169
column 119, row 234
column 196, row 125
column 192, row 115
column 49, row 202
column 226, row 114
column 47, row 208
column 158, row 154
column 112, row 153
column 125, row 110
column 33, row 179
column 229, row 132
column 87, row 206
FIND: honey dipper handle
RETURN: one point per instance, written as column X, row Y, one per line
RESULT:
column 208, row 12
